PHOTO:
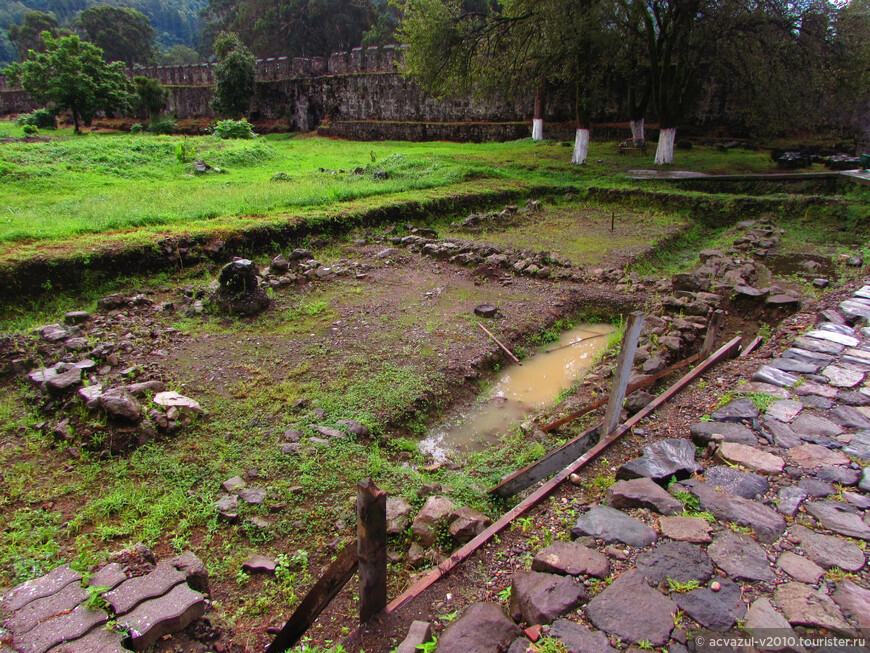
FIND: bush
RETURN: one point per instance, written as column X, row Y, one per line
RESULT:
column 185, row 151
column 30, row 130
column 41, row 118
column 162, row 127
column 234, row 129
column 137, row 128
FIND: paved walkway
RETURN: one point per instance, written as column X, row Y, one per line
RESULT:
column 763, row 534
column 119, row 608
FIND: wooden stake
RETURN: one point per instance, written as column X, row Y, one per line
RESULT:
column 318, row 597
column 623, row 371
column 498, row 342
column 728, row 349
column 371, row 533
column 752, row 346
column 713, row 327
column 631, row 388
column 576, row 342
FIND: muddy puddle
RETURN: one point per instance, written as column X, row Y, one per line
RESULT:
column 519, row 391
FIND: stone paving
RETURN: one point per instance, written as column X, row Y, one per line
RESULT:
column 122, row 606
column 761, row 530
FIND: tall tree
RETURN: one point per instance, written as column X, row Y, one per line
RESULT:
column 72, row 75
column 150, row 96
column 124, row 34
column 234, row 77
column 27, row 36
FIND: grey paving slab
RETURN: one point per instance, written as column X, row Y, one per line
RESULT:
column 161, row 616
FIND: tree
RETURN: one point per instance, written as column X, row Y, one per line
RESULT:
column 27, row 36
column 180, row 55
column 235, row 77
column 150, row 96
column 72, row 75
column 124, row 34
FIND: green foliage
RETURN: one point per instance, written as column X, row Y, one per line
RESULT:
column 96, row 600
column 124, row 34
column 41, row 118
column 72, row 75
column 185, row 151
column 690, row 501
column 234, row 77
column 30, row 130
column 166, row 126
column 682, row 588
column 137, row 128
column 28, row 35
column 151, row 97
column 227, row 129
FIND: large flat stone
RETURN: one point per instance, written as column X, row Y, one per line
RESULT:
column 611, row 525
column 538, row 598
column 773, row 376
column 751, row 458
column 762, row 619
column 849, row 418
column 859, row 446
column 819, row 345
column 642, row 493
column 678, row 561
column 813, row 456
column 854, row 602
column 718, row 610
column 840, row 377
column 99, row 640
column 740, row 557
column 804, row 606
column 839, row 517
column 704, row 432
column 795, row 366
column 482, row 628
column 52, row 582
column 782, row 434
column 828, row 551
column 165, row 615
column 64, row 628
column 736, row 410
column 808, row 356
column 577, row 638
column 661, row 460
column 767, row 524
column 784, row 410
column 811, row 388
column 686, row 529
column 571, row 558
column 743, row 484
column 801, row 569
column 630, row 609
column 142, row 588
column 831, row 336
column 807, row 424
column 789, row 499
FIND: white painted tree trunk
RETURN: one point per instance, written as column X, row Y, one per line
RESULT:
column 637, row 130
column 581, row 146
column 665, row 148
column 538, row 129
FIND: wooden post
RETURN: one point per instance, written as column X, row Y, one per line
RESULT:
column 713, row 327
column 316, row 600
column 623, row 371
column 371, row 533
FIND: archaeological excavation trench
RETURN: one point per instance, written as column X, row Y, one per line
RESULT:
column 229, row 409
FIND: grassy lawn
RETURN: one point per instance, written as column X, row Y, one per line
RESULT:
column 115, row 183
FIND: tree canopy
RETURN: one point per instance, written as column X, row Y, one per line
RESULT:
column 71, row 74
column 124, row 34
column 28, row 35
column 235, row 77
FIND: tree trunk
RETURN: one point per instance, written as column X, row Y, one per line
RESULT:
column 538, row 118
column 665, row 148
column 637, row 129
column 581, row 146
column 75, row 115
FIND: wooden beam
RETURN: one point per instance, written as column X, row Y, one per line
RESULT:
column 752, row 346
column 318, row 597
column 714, row 325
column 728, row 349
column 643, row 383
column 623, row 371
column 371, row 533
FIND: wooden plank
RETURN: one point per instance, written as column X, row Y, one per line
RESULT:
column 324, row 590
column 643, row 383
column 728, row 349
column 546, row 466
column 713, row 327
column 623, row 371
column 499, row 343
column 371, row 534
column 752, row 346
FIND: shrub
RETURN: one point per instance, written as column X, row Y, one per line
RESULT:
column 162, row 126
column 185, row 151
column 30, row 130
column 137, row 128
column 234, row 129
column 41, row 118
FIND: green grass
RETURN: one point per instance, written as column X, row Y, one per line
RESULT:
column 101, row 183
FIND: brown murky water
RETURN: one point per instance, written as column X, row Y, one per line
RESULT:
column 519, row 391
